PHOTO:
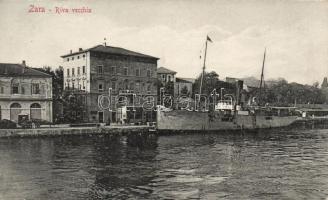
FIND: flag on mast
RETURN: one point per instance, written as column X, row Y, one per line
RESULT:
column 209, row 39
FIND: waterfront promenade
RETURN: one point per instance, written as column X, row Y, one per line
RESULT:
column 61, row 131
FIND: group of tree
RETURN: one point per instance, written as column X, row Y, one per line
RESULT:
column 210, row 82
column 275, row 92
column 283, row 93
column 168, row 87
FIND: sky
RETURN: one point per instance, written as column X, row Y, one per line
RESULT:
column 294, row 33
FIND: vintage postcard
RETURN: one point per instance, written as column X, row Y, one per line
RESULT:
column 163, row 99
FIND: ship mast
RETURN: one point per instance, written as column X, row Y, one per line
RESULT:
column 262, row 76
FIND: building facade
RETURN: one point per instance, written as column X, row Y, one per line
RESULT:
column 180, row 86
column 25, row 93
column 108, row 78
column 166, row 75
column 183, row 86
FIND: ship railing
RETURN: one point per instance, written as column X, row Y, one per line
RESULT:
column 224, row 105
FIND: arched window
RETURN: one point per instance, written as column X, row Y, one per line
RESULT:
column 15, row 105
column 35, row 105
column 15, row 110
column 35, row 111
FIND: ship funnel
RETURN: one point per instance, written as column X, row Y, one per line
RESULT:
column 239, row 88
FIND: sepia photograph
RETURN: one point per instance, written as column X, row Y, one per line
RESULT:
column 163, row 99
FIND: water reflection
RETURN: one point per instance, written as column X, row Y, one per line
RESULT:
column 120, row 166
column 261, row 165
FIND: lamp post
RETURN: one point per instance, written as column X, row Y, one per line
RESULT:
column 222, row 93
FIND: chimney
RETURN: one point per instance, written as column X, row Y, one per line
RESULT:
column 80, row 49
column 24, row 65
column 71, row 51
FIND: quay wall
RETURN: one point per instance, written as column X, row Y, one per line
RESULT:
column 5, row 133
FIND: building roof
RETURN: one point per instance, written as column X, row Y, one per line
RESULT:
column 313, row 110
column 231, row 79
column 163, row 70
column 111, row 50
column 10, row 69
column 185, row 80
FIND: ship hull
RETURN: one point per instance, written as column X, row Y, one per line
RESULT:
column 180, row 120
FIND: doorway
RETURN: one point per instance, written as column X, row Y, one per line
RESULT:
column 101, row 117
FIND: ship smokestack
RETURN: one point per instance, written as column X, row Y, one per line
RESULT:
column 239, row 87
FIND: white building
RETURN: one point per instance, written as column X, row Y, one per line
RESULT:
column 25, row 93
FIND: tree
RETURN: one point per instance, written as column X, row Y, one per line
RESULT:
column 184, row 90
column 283, row 93
column 72, row 104
column 169, row 88
column 210, row 81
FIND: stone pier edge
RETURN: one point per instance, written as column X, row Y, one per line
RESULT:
column 8, row 133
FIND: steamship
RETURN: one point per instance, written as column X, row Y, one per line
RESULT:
column 225, row 114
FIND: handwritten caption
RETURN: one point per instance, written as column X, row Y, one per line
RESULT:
column 59, row 10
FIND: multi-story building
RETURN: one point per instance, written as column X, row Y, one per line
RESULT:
column 166, row 75
column 179, row 86
column 91, row 72
column 25, row 93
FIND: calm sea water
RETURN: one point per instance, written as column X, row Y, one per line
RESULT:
column 266, row 165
